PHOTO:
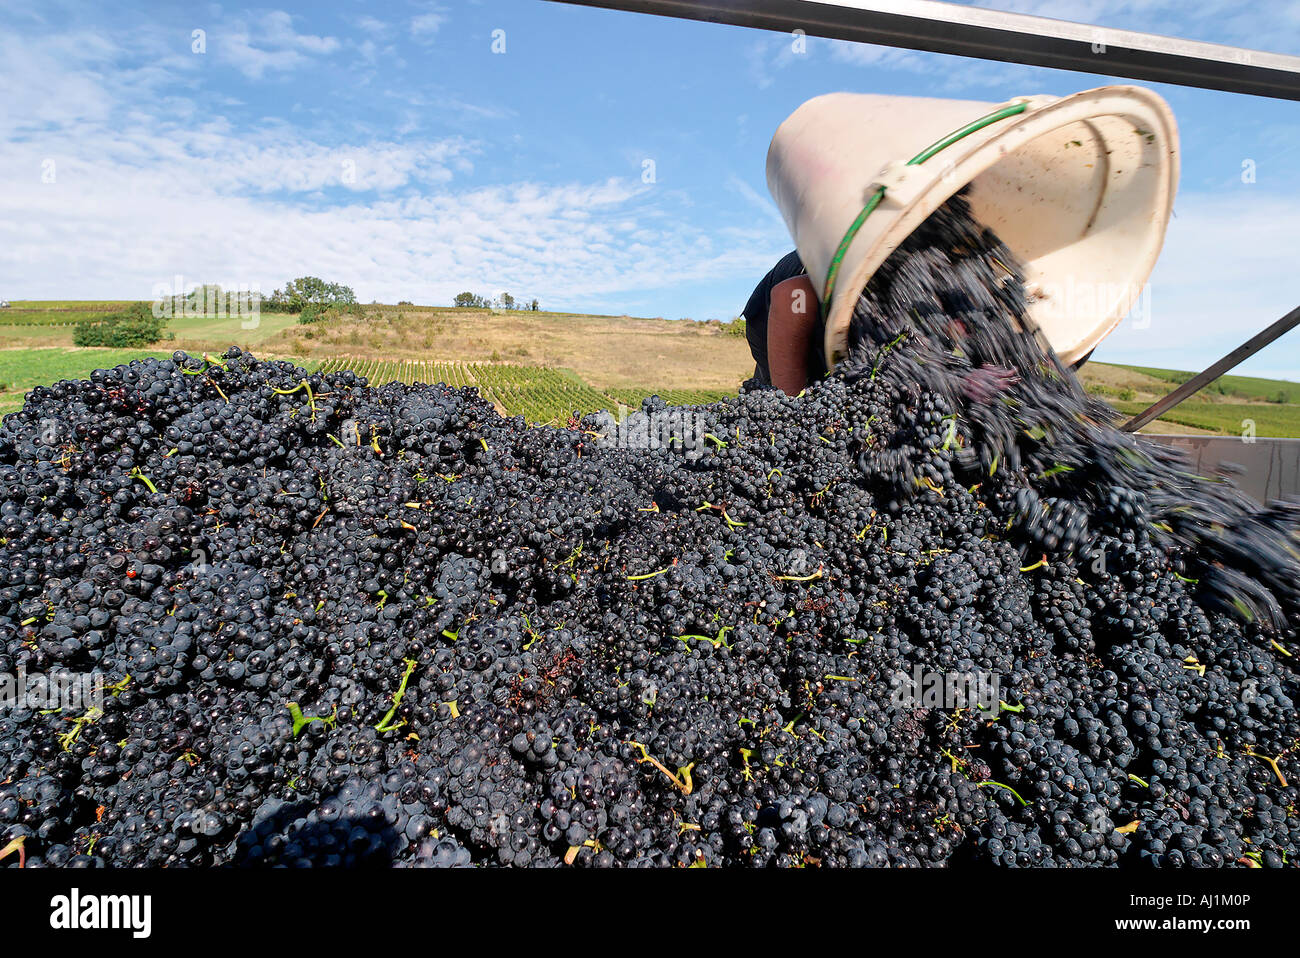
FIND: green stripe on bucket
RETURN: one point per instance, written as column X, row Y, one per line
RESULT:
column 927, row 153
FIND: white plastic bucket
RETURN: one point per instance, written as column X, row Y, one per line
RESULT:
column 1079, row 187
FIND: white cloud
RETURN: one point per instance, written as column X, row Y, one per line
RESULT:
column 769, row 54
column 442, row 102
column 61, row 80
column 210, row 156
column 134, row 204
column 270, row 42
column 760, row 201
column 150, row 183
column 1226, row 272
column 374, row 26
column 580, row 244
column 870, row 55
column 425, row 25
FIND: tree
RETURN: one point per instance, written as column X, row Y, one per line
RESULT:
column 506, row 300
column 534, row 306
column 135, row 326
column 309, row 290
column 205, row 300
column 340, row 295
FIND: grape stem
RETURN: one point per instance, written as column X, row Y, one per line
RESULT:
column 301, row 721
column 821, row 570
column 1272, row 763
column 385, row 723
column 1008, row 788
column 15, row 846
column 683, row 777
column 650, row 575
column 311, row 399
column 137, row 474
column 720, row 641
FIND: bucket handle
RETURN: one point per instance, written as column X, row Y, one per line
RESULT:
column 833, row 270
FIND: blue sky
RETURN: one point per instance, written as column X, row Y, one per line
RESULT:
column 387, row 146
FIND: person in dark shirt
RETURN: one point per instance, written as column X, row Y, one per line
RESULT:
column 783, row 324
column 784, row 327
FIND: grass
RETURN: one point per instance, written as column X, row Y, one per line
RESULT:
column 198, row 334
column 1246, row 388
column 32, row 336
column 22, row 369
column 1222, row 408
column 49, row 317
column 1271, row 420
column 47, row 324
column 75, row 304
column 539, row 394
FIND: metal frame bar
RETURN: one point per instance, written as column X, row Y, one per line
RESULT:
column 994, row 35
column 1211, row 373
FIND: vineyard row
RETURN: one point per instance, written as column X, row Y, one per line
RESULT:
column 539, row 394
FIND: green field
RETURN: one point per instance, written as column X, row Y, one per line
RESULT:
column 540, row 395
column 1228, row 406
column 40, row 324
column 1274, row 391
column 674, row 397
column 1271, row 420
column 49, row 317
column 47, row 304
column 21, row 369
column 381, row 371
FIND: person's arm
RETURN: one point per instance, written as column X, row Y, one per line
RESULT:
column 791, row 319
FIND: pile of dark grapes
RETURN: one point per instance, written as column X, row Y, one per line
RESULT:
column 337, row 625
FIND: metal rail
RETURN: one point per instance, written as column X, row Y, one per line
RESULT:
column 995, row 35
column 1202, row 379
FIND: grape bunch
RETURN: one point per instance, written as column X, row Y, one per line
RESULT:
column 935, row 611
